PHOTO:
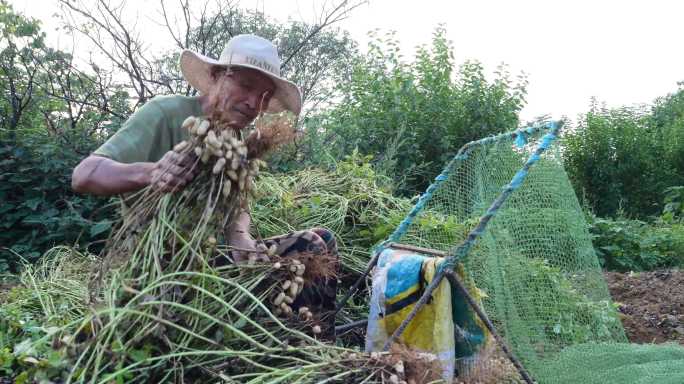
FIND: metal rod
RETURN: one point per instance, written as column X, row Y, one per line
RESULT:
column 347, row 327
column 455, row 281
column 355, row 287
column 413, row 248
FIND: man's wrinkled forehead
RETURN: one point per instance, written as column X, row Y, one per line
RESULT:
column 254, row 76
column 245, row 74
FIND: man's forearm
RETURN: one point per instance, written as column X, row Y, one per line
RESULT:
column 106, row 177
column 239, row 228
column 238, row 237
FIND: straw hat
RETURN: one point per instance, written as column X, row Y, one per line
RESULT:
column 248, row 51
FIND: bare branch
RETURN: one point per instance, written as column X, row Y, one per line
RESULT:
column 168, row 26
column 339, row 13
column 126, row 51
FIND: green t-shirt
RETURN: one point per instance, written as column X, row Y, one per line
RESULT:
column 152, row 130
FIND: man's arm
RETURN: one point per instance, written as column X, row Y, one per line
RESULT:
column 237, row 234
column 105, row 177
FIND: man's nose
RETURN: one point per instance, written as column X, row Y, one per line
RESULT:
column 252, row 101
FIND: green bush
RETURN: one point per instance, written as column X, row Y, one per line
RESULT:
column 413, row 116
column 51, row 116
column 633, row 245
column 624, row 159
column 38, row 210
column 673, row 210
column 47, row 296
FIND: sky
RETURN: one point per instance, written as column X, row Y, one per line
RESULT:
column 625, row 52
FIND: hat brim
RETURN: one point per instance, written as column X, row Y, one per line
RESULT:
column 196, row 69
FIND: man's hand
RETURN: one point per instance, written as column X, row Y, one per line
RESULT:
column 240, row 243
column 173, row 171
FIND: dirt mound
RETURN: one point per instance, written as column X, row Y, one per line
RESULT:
column 651, row 303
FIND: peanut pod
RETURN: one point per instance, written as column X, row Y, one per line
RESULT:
column 242, row 150
column 279, row 299
column 188, row 122
column 287, row 284
column 203, row 128
column 286, row 308
column 218, row 167
column 205, row 156
column 232, row 174
column 212, row 140
column 294, row 290
column 226, row 188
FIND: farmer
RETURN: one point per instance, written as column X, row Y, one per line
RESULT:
column 244, row 82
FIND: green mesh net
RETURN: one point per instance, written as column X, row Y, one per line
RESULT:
column 543, row 286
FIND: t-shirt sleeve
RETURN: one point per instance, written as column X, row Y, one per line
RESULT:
column 137, row 139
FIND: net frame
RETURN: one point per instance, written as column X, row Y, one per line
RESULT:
column 499, row 166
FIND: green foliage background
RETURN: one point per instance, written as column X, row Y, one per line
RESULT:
column 42, row 138
column 623, row 160
column 413, row 115
column 399, row 116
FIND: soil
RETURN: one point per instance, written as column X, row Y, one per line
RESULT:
column 651, row 304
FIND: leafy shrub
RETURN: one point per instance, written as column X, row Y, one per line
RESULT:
column 624, row 159
column 38, row 210
column 413, row 116
column 633, row 245
column 673, row 210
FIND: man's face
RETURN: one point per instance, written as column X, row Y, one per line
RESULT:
column 240, row 94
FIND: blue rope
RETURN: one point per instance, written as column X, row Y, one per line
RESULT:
column 463, row 249
column 521, row 140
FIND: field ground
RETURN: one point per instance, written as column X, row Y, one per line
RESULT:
column 651, row 304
